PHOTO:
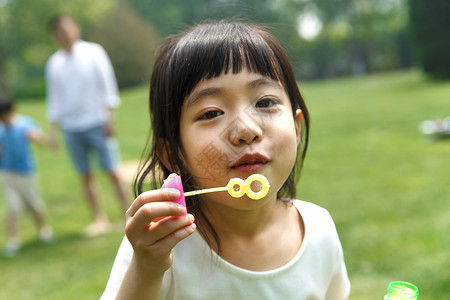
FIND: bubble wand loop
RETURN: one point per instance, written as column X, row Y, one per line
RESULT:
column 237, row 187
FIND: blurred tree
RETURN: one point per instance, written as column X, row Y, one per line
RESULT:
column 350, row 37
column 355, row 36
column 170, row 17
column 130, row 43
column 430, row 22
column 25, row 43
column 358, row 36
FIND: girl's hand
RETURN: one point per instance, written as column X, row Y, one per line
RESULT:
column 153, row 241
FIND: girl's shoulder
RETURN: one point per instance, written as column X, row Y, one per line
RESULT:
column 305, row 207
column 314, row 216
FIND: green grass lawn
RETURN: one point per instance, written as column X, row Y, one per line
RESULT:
column 387, row 189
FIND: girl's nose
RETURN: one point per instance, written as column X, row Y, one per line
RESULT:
column 244, row 131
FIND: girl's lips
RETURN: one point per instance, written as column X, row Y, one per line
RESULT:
column 250, row 162
column 249, row 168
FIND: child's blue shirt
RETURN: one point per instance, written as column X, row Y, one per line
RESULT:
column 15, row 150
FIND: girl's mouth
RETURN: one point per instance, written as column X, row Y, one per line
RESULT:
column 250, row 162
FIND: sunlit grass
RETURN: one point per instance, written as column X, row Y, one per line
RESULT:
column 386, row 187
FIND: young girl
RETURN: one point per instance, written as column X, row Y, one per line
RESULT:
column 224, row 104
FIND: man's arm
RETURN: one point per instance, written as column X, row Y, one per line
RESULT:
column 107, row 79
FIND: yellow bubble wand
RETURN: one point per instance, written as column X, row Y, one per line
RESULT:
column 237, row 187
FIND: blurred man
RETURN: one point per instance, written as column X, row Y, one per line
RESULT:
column 82, row 94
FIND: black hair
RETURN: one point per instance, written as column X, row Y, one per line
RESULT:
column 54, row 21
column 202, row 52
column 6, row 104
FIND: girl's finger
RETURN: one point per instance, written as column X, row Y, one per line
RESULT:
column 159, row 231
column 166, row 226
column 152, row 196
column 170, row 241
column 153, row 210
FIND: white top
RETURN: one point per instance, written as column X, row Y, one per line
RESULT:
column 81, row 87
column 316, row 272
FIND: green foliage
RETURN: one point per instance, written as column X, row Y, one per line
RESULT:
column 130, row 43
column 25, row 42
column 358, row 36
column 385, row 187
column 172, row 16
column 430, row 23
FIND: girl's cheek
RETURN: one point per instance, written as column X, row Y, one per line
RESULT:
column 209, row 163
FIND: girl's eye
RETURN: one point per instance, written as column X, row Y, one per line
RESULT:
column 210, row 115
column 266, row 102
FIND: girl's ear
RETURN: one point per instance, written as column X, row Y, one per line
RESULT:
column 298, row 124
column 162, row 150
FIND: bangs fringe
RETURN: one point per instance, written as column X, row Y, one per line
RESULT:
column 212, row 50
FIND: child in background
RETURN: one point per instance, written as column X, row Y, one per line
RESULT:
column 225, row 104
column 17, row 166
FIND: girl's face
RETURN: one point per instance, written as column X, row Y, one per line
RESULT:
column 236, row 125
